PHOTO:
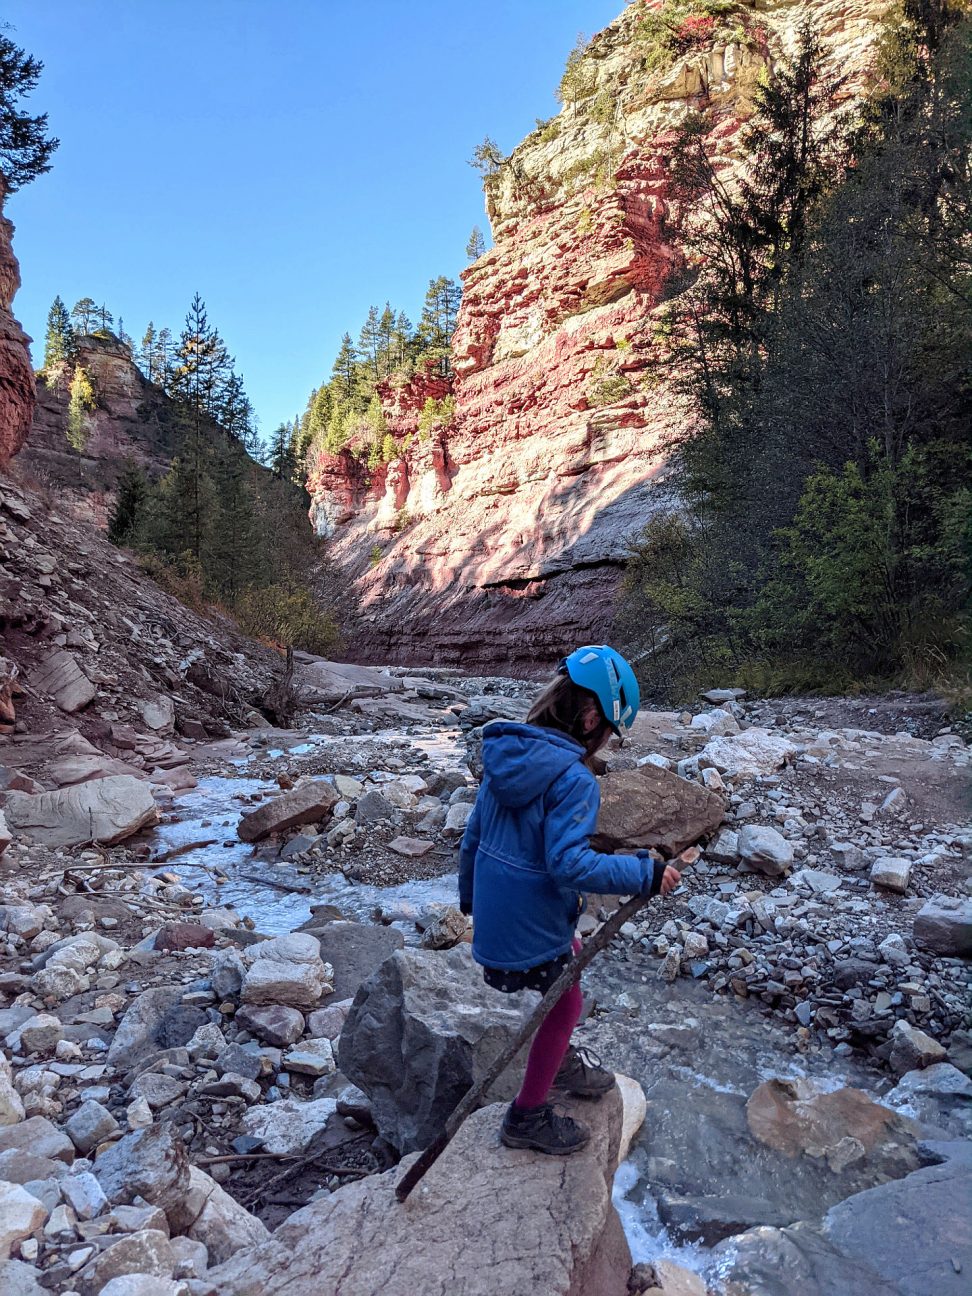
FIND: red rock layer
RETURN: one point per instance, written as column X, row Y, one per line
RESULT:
column 502, row 538
column 16, row 371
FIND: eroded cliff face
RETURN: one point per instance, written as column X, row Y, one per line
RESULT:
column 16, row 371
column 131, row 421
column 501, row 536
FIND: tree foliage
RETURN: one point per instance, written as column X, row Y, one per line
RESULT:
column 25, row 147
column 823, row 512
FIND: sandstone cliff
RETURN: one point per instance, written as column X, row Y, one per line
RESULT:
column 132, row 420
column 16, row 373
column 501, row 535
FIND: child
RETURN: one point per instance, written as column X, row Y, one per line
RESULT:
column 524, row 860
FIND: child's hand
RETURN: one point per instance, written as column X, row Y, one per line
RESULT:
column 670, row 879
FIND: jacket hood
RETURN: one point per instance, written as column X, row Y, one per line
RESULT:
column 521, row 761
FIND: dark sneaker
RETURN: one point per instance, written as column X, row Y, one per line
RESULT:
column 543, row 1130
column 582, row 1075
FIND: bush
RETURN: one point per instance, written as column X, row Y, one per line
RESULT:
column 286, row 615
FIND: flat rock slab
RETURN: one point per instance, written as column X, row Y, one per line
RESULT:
column 944, row 924
column 456, row 1232
column 62, row 678
column 104, row 810
column 651, row 808
column 307, row 804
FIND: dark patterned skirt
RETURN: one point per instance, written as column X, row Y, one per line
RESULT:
column 539, row 978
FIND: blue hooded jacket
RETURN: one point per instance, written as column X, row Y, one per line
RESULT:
column 526, row 852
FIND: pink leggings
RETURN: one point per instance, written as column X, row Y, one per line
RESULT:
column 549, row 1046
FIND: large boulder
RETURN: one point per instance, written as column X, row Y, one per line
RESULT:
column 60, row 676
column 944, row 924
column 485, row 1220
column 746, row 755
column 421, row 1030
column 217, row 1220
column 355, row 950
column 909, row 1237
column 307, row 804
column 151, row 1163
column 104, row 810
column 841, row 1127
column 651, row 808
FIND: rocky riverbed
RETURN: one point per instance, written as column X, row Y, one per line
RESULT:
column 175, row 1081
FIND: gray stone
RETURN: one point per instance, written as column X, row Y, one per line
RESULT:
column 453, row 1235
column 226, row 973
column 241, row 1061
column 765, row 850
column 151, row 1163
column 11, row 1103
column 372, row 808
column 147, row 1252
column 421, row 1030
column 446, row 929
column 911, row 1048
column 218, row 1222
column 894, row 951
column 158, row 1089
column 38, row 1137
column 944, row 924
column 724, row 847
column 41, row 1033
column 327, row 1023
column 105, row 810
column 156, row 1020
column 141, row 1284
column 19, row 1279
column 275, row 1024
column 457, row 816
column 313, row 1057
column 90, row 1125
column 60, row 676
column 84, row 1194
column 308, row 804
column 355, row 951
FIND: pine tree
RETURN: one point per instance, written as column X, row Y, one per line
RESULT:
column 487, row 158
column 439, row 320
column 128, row 517
column 403, row 342
column 104, row 318
column 344, row 373
column 281, row 461
column 369, row 345
column 235, row 555
column 146, row 354
column 163, row 359
column 58, row 342
column 84, row 313
column 476, row 245
column 25, row 148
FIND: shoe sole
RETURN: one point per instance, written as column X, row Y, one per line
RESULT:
column 513, row 1141
column 591, row 1095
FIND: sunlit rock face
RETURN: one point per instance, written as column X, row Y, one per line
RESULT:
column 16, row 373
column 502, row 536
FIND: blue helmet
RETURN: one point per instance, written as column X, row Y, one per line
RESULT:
column 607, row 675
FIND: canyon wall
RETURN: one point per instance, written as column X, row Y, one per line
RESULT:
column 16, row 371
column 501, row 535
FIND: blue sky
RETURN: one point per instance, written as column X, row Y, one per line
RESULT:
column 293, row 160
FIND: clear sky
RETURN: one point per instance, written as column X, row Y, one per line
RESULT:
column 292, row 160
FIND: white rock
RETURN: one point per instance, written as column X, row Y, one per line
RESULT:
column 219, row 1222
column 6, row 836
column 748, row 754
column 891, row 872
column 11, row 1105
column 717, row 724
column 894, row 951
column 765, row 850
column 288, row 1126
column 634, row 1107
column 287, row 970
column 21, row 1214
column 457, row 817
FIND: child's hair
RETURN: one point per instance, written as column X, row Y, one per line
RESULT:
column 561, row 706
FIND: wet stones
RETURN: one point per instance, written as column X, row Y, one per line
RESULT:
column 304, row 805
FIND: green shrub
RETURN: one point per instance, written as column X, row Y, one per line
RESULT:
column 376, row 555
column 286, row 615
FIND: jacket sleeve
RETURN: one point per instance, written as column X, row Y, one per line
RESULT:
column 571, row 805
column 467, row 858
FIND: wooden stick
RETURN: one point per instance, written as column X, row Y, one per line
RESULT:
column 473, row 1099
